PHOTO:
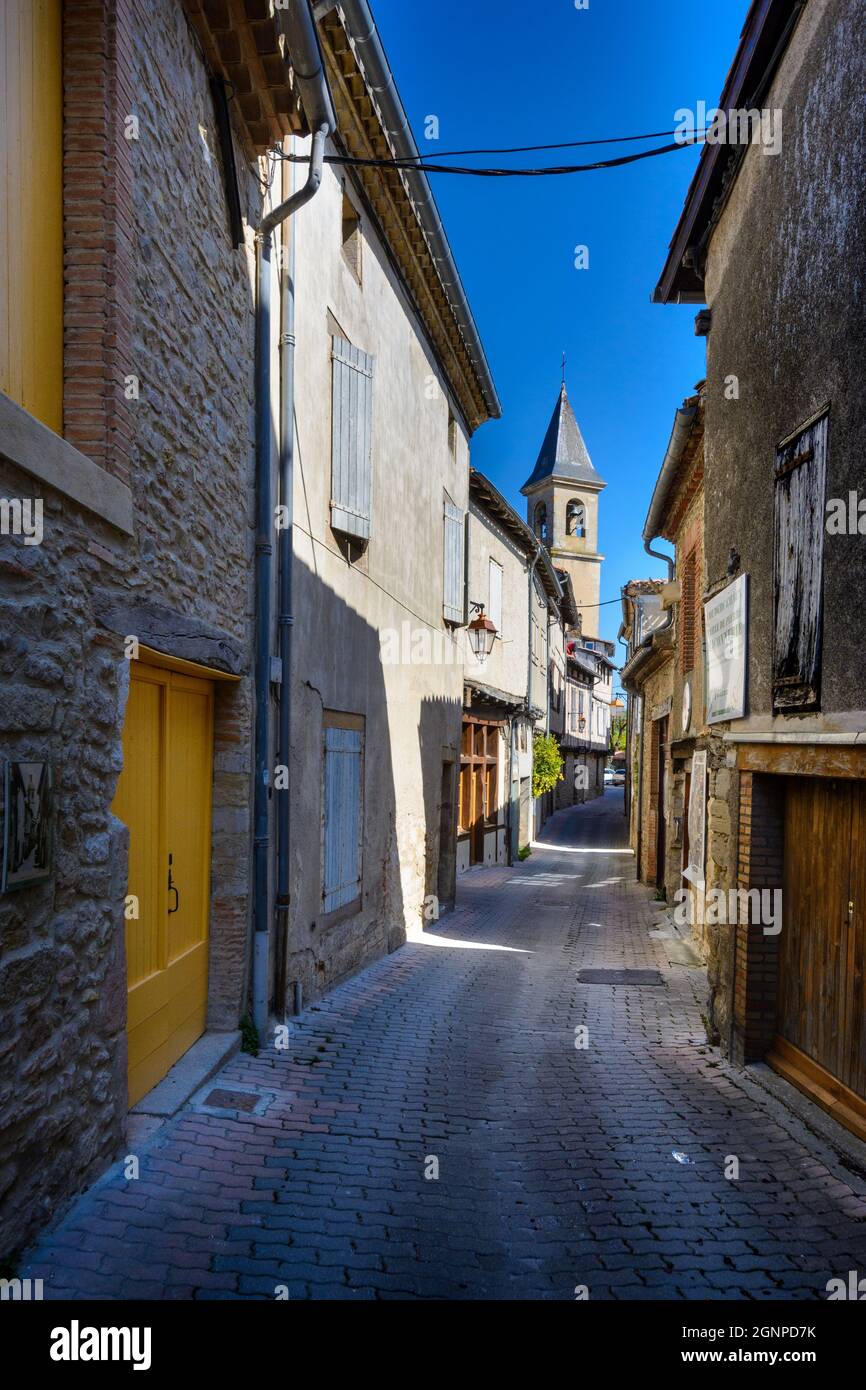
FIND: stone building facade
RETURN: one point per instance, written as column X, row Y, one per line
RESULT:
column 126, row 634
column 517, row 689
column 147, row 535
column 768, row 232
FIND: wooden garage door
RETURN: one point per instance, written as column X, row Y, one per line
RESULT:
column 821, row 1016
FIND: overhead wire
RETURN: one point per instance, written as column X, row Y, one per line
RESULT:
column 421, row 163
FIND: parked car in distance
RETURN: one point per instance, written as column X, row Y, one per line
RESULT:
column 614, row 777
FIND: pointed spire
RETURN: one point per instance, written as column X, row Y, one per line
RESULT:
column 563, row 455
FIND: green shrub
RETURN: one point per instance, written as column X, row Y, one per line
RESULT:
column 546, row 764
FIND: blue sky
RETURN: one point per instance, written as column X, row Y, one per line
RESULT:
column 504, row 72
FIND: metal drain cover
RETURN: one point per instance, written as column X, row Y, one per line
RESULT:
column 619, row 977
column 232, row 1100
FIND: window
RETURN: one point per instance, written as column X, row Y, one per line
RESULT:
column 800, row 478
column 479, row 773
column 494, row 595
column 575, row 519
column 557, row 687
column 352, row 238
column 540, row 523
column 31, row 210
column 454, row 603
column 452, row 436
column 690, row 611
column 343, row 809
column 351, row 435
column 536, row 641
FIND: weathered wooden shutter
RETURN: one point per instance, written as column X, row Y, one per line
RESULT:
column 342, row 826
column 351, row 433
column 455, row 526
column 800, row 478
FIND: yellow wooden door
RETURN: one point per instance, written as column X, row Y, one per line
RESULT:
column 31, row 207
column 164, row 797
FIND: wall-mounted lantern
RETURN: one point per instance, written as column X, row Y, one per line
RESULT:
column 482, row 633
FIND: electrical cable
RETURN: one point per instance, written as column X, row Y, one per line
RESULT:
column 557, row 145
column 402, row 165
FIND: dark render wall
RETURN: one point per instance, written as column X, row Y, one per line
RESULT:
column 786, row 283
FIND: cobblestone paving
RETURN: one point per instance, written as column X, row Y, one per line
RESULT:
column 555, row 1163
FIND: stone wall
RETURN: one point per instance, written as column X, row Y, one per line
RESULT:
column 788, row 235
column 656, row 691
column 183, row 584
column 791, row 232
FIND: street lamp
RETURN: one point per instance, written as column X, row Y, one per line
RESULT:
column 482, row 633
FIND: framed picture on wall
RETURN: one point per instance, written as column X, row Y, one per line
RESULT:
column 28, row 824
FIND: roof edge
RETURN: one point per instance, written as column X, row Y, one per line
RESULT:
column 361, row 28
column 767, row 30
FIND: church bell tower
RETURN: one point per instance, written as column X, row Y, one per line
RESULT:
column 562, row 495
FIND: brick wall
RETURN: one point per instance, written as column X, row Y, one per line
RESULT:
column 761, row 849
column 98, row 234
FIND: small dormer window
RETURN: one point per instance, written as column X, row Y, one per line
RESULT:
column 541, row 522
column 575, row 519
column 351, row 235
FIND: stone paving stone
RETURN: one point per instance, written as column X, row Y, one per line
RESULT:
column 556, row 1163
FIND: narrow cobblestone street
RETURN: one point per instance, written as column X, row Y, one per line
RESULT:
column 556, row 1164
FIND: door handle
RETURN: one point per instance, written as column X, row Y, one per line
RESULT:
column 172, row 888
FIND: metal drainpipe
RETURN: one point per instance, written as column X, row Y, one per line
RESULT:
column 626, row 791
column 536, row 557
column 264, row 574
column 657, row 555
column 285, row 617
column 512, row 728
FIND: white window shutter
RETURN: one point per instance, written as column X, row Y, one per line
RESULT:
column 455, row 528
column 342, row 821
column 351, row 439
column 494, row 604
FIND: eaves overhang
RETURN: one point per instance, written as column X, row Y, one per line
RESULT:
column 482, row 491
column 243, row 44
column 653, row 653
column 765, row 35
column 679, row 461
column 372, row 124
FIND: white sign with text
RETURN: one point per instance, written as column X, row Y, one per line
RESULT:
column 725, row 620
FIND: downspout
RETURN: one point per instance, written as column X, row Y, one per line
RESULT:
column 285, row 617
column 536, row 557
column 510, row 817
column 306, row 60
column 531, row 572
column 629, row 722
column 670, row 464
column 547, row 682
